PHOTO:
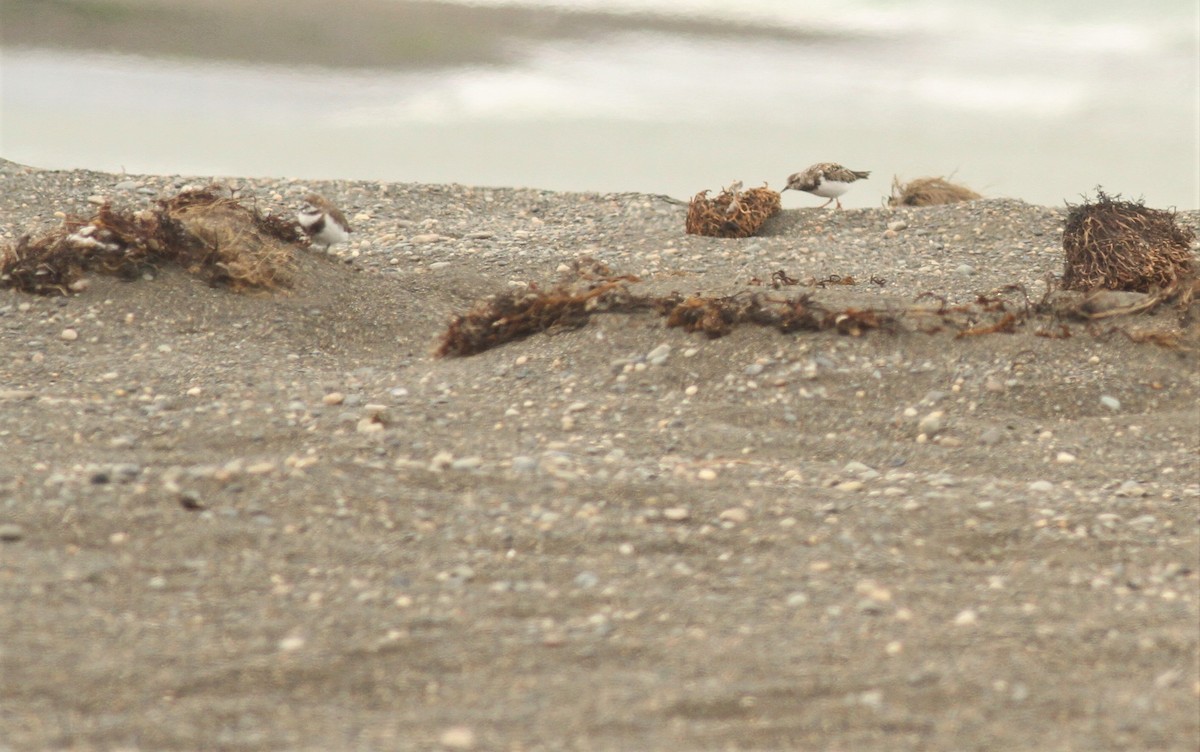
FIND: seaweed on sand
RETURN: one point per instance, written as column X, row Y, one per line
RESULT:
column 210, row 235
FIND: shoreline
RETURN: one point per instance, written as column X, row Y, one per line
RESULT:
column 371, row 34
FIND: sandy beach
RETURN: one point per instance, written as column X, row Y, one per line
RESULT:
column 276, row 521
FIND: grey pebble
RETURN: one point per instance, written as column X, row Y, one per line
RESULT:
column 10, row 532
column 658, row 356
column 586, row 580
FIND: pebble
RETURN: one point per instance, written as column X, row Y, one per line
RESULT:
column 11, row 532
column 1112, row 403
column 797, row 599
column 932, row 423
column 586, row 580
column 658, row 356
column 1132, row 489
column 1041, row 486
column 458, row 737
column 676, row 514
column 69, row 335
column 467, row 463
column 736, row 515
column 991, row 436
column 424, row 238
column 966, row 618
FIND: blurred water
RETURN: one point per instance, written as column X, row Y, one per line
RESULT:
column 1037, row 100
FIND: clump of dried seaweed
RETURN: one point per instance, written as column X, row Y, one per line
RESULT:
column 517, row 314
column 1114, row 244
column 208, row 234
column 929, row 191
column 734, row 213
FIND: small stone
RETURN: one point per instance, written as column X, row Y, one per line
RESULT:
column 735, row 515
column 11, row 532
column 1041, row 486
column 467, row 463
column 676, row 514
column 897, row 225
column 932, row 423
column 291, row 643
column 707, row 474
column 966, row 618
column 458, row 737
column 991, row 437
column 69, row 335
column 1064, row 458
column 524, row 464
column 586, row 580
column 964, row 270
column 370, row 424
column 429, row 237
column 333, row 398
column 797, row 599
column 658, row 356
column 855, row 467
column 1132, row 489
column 1112, row 403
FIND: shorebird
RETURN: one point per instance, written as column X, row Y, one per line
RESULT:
column 323, row 222
column 825, row 179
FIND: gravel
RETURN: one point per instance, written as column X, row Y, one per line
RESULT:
column 276, row 521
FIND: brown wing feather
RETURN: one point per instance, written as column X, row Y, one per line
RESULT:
column 327, row 206
column 843, row 175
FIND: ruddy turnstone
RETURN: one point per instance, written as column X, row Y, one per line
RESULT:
column 323, row 222
column 825, row 179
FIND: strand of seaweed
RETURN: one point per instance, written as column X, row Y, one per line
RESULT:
column 510, row 316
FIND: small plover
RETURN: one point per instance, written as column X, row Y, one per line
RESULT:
column 827, row 180
column 323, row 222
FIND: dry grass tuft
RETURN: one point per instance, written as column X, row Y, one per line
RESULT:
column 929, row 192
column 209, row 235
column 1123, row 245
column 733, row 213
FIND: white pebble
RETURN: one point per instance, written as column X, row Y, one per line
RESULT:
column 966, row 618
column 658, row 356
column 932, row 423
